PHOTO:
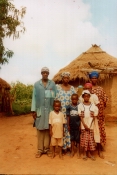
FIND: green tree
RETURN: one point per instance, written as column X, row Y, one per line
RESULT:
column 10, row 25
column 22, row 95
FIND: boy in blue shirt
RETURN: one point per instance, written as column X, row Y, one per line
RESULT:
column 74, row 124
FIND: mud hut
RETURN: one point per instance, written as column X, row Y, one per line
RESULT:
column 4, row 88
column 4, row 84
column 94, row 59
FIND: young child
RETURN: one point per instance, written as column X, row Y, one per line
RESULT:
column 93, row 97
column 74, row 124
column 56, row 122
column 87, row 111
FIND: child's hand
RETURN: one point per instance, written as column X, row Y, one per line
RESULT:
column 86, row 127
column 63, row 133
column 51, row 133
column 92, row 114
column 82, row 114
column 68, row 128
column 34, row 114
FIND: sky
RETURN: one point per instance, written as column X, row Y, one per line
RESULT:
column 58, row 31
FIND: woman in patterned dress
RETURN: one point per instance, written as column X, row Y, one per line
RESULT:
column 101, row 106
column 64, row 92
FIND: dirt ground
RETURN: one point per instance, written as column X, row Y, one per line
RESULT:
column 18, row 147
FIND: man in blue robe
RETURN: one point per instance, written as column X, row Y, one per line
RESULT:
column 44, row 92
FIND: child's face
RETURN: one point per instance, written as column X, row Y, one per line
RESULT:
column 57, row 107
column 74, row 100
column 86, row 97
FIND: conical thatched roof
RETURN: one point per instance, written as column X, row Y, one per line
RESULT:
column 4, row 84
column 93, row 59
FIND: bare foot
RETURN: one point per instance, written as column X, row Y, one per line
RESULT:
column 92, row 157
column 101, row 155
column 78, row 156
column 72, row 154
column 85, row 157
column 53, row 155
column 88, row 155
column 60, row 156
column 38, row 155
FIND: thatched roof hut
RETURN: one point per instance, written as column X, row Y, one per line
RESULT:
column 93, row 59
column 4, row 84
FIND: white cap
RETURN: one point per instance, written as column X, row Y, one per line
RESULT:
column 86, row 92
column 44, row 69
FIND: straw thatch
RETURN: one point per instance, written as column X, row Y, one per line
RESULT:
column 93, row 59
column 4, row 84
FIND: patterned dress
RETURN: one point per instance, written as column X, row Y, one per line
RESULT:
column 65, row 98
column 101, row 118
column 87, row 140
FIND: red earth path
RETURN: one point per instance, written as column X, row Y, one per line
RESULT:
column 18, row 147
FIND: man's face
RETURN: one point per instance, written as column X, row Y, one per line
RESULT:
column 45, row 75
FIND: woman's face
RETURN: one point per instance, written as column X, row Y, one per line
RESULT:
column 65, row 79
column 87, row 87
column 94, row 80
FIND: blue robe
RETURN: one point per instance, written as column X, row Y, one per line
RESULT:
column 42, row 103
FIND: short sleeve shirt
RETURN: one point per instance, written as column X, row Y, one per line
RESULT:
column 74, row 119
column 57, row 121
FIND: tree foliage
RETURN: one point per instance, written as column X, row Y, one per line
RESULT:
column 10, row 25
column 23, row 97
column 22, row 91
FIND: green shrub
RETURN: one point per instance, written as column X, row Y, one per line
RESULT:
column 23, row 97
column 21, row 108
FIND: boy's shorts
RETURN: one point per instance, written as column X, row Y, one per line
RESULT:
column 75, row 135
column 56, row 141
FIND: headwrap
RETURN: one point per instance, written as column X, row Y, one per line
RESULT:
column 86, row 92
column 88, row 84
column 93, row 74
column 65, row 74
column 44, row 69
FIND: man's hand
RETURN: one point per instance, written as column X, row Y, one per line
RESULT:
column 34, row 114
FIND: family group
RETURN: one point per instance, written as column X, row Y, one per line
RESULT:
column 68, row 121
